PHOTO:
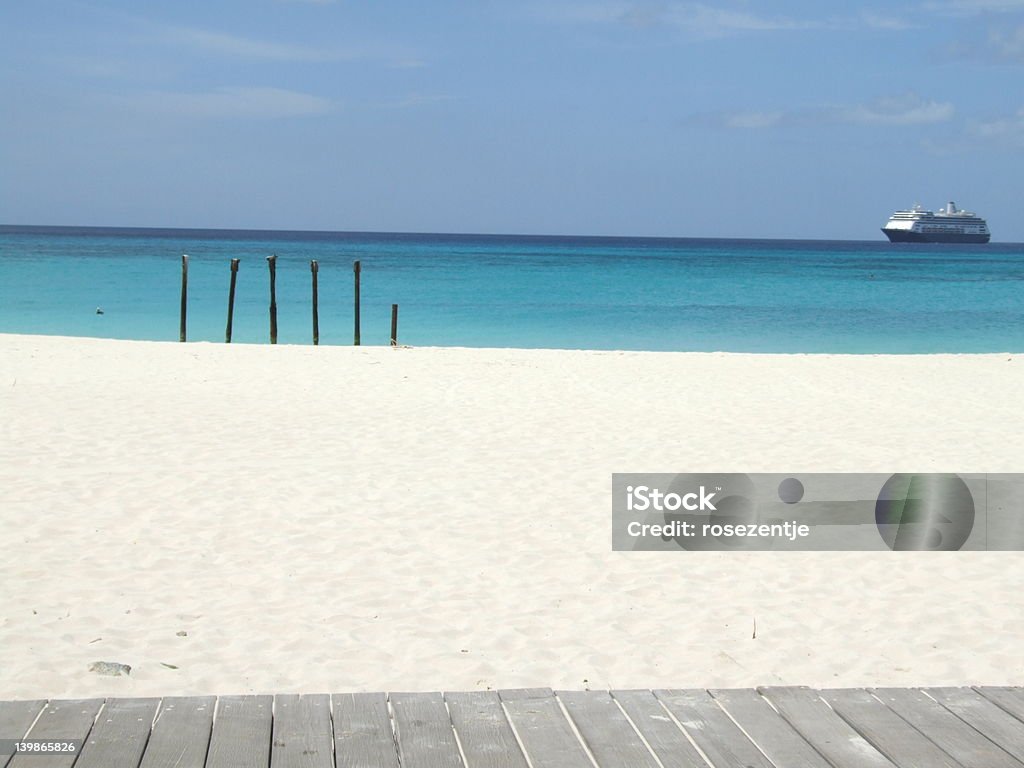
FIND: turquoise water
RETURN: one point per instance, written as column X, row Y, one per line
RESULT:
column 496, row 291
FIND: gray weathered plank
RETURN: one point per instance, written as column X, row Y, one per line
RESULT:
column 242, row 729
column 984, row 716
column 302, row 732
column 961, row 741
column 826, row 731
column 424, row 732
column 881, row 728
column 62, row 720
column 782, row 744
column 363, row 736
column 667, row 739
column 543, row 729
column 483, row 730
column 718, row 737
column 181, row 733
column 1010, row 699
column 608, row 734
column 16, row 717
column 120, row 734
column 523, row 694
column 889, row 733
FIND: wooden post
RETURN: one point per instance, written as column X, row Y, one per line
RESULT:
column 231, row 300
column 272, row 262
column 315, row 268
column 184, row 297
column 394, row 325
column 356, row 269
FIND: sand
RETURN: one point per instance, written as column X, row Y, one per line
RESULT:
column 233, row 519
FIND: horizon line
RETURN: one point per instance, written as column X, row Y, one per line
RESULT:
column 412, row 233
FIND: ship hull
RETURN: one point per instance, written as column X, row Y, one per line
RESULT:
column 903, row 236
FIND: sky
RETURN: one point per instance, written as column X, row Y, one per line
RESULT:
column 690, row 119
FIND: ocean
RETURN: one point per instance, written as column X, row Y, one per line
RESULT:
column 520, row 291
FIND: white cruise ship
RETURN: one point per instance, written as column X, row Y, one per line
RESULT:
column 946, row 226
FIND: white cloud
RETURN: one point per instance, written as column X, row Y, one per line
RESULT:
column 880, row 21
column 260, row 103
column 1008, row 129
column 752, row 120
column 223, row 44
column 706, row 20
column 908, row 109
column 643, row 15
column 416, row 100
column 408, row 64
column 970, row 7
column 232, row 45
column 711, row 21
column 1007, row 44
column 699, row 19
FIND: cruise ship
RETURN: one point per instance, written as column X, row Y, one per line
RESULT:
column 946, row 226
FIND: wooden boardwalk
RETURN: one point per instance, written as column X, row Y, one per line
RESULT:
column 538, row 728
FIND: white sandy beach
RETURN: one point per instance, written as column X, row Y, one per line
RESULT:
column 341, row 519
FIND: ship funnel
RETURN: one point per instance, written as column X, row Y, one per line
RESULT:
column 950, row 207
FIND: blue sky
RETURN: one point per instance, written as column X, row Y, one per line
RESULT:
column 739, row 119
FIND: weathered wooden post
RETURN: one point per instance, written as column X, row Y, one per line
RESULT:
column 356, row 270
column 184, row 297
column 231, row 300
column 272, row 262
column 315, row 268
column 394, row 325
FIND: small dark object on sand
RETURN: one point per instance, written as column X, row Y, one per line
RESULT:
column 111, row 668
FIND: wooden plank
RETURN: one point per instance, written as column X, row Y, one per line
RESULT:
column 302, row 732
column 181, row 733
column 779, row 741
column 718, row 737
column 524, row 694
column 889, row 733
column 826, row 731
column 242, row 730
column 483, row 730
column 882, row 728
column 424, row 732
column 16, row 717
column 545, row 733
column 120, row 734
column 666, row 739
column 948, row 731
column 607, row 732
column 1010, row 699
column 363, row 736
column 62, row 720
column 981, row 714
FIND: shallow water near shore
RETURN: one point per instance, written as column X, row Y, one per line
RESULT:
column 521, row 291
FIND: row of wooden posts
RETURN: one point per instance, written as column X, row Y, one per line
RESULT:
column 314, row 268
